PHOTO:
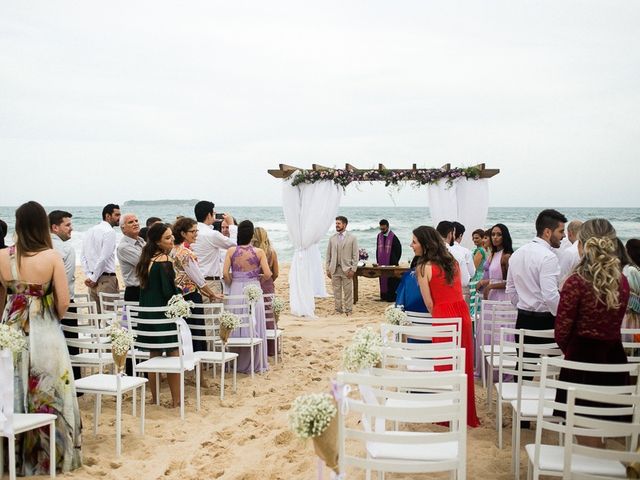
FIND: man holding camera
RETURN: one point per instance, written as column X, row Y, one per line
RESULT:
column 209, row 242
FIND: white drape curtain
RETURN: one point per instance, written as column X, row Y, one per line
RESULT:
column 309, row 210
column 466, row 201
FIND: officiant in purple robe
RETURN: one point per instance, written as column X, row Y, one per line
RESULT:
column 388, row 252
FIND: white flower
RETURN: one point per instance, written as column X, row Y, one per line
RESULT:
column 121, row 339
column 11, row 339
column 364, row 351
column 253, row 293
column 311, row 414
column 178, row 307
column 396, row 316
column 278, row 305
column 229, row 320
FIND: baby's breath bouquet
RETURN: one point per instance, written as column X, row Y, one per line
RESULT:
column 121, row 343
column 228, row 322
column 364, row 351
column 314, row 416
column 253, row 293
column 178, row 307
column 396, row 316
column 11, row 339
column 278, row 307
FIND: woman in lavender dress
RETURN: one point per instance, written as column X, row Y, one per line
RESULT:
column 494, row 279
column 261, row 240
column 245, row 265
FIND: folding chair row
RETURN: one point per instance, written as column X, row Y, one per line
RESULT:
column 275, row 334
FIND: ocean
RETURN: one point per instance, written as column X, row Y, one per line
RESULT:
column 363, row 222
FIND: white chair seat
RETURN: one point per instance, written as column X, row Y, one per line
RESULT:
column 104, row 383
column 510, row 392
column 244, row 341
column 495, row 362
column 163, row 364
column 215, row 356
column 529, row 408
column 28, row 421
column 92, row 357
column 552, row 459
column 273, row 334
column 419, row 451
column 486, row 349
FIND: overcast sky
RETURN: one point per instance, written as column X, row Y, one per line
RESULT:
column 109, row 101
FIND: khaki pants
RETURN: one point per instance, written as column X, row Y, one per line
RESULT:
column 215, row 286
column 342, row 291
column 106, row 284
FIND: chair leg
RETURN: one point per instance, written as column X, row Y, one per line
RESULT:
column 221, row 381
column 499, row 419
column 252, row 360
column 198, row 367
column 118, row 424
column 144, row 388
column 96, row 414
column 11, row 440
column 235, row 375
column 133, row 403
column 52, row 449
column 489, row 381
column 157, row 388
column 182, row 395
column 275, row 346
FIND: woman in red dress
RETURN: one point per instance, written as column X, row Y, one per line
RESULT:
column 438, row 276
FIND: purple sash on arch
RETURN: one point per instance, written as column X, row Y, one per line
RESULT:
column 383, row 256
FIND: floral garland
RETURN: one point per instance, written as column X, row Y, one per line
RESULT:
column 420, row 176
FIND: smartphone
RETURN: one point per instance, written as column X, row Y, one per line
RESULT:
column 220, row 216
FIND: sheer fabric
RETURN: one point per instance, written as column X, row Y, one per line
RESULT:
column 309, row 210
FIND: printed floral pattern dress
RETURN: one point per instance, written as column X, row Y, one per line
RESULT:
column 43, row 379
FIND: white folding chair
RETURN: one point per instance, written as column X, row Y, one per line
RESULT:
column 247, row 320
column 448, row 332
column 81, row 297
column 94, row 339
column 549, row 460
column 419, row 317
column 163, row 364
column 494, row 315
column 382, row 450
column 577, row 457
column 273, row 334
column 106, row 300
column 12, row 424
column 631, row 343
column 209, row 332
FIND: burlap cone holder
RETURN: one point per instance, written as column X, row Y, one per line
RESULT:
column 224, row 333
column 119, row 361
column 326, row 445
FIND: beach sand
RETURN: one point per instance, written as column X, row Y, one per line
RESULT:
column 246, row 436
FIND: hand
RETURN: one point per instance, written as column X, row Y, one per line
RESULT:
column 485, row 292
column 215, row 297
column 228, row 218
column 329, row 274
column 481, row 284
column 350, row 273
column 89, row 283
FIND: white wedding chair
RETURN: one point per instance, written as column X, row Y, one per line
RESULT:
column 164, row 364
column 577, row 457
column 91, row 338
column 238, row 305
column 631, row 343
column 449, row 332
column 106, row 300
column 374, row 448
column 275, row 334
column 549, row 460
column 12, row 424
column 419, row 318
column 95, row 339
column 209, row 332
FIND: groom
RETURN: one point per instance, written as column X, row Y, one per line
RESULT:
column 388, row 252
column 342, row 262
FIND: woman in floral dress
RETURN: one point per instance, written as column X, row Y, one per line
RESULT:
column 37, row 296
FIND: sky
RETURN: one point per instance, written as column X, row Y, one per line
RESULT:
column 110, row 101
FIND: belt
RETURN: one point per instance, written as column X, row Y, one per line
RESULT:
column 108, row 274
column 212, row 278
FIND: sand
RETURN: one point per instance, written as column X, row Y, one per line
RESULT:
column 246, row 436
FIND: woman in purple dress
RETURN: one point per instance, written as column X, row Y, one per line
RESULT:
column 261, row 240
column 494, row 280
column 245, row 265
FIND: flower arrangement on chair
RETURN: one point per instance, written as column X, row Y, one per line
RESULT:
column 364, row 351
column 396, row 316
column 121, row 343
column 314, row 416
column 278, row 307
column 11, row 339
column 228, row 322
column 253, row 293
column 178, row 307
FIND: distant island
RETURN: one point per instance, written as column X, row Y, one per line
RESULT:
column 138, row 203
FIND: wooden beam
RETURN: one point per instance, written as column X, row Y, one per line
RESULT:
column 284, row 171
column 316, row 168
column 446, row 166
column 489, row 172
column 351, row 168
column 414, row 167
column 381, row 167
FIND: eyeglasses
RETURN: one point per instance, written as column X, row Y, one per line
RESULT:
column 192, row 231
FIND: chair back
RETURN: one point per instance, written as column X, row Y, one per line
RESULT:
column 85, row 306
column 631, row 343
column 6, row 392
column 93, row 336
column 402, row 451
column 209, row 331
column 238, row 305
column 494, row 315
column 419, row 318
column 446, row 334
column 268, row 304
column 580, row 422
column 423, row 357
column 107, row 301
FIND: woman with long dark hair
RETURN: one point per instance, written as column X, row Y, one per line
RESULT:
column 157, row 286
column 494, row 280
column 37, row 298
column 438, row 276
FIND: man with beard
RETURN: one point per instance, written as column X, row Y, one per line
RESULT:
column 388, row 252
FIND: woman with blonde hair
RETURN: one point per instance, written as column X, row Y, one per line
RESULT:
column 261, row 240
column 593, row 301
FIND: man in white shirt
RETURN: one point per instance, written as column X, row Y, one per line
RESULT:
column 569, row 256
column 209, row 242
column 447, row 232
column 457, row 247
column 99, row 254
column 533, row 276
column 128, row 252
